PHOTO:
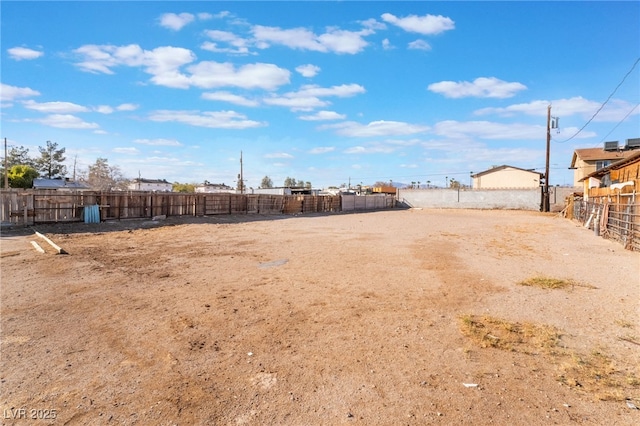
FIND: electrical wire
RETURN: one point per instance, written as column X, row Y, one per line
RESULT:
column 603, row 104
column 616, row 126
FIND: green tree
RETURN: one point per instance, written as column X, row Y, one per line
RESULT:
column 289, row 182
column 184, row 187
column 22, row 176
column 16, row 156
column 454, row 184
column 50, row 164
column 105, row 177
column 307, row 185
column 266, row 182
column 19, row 155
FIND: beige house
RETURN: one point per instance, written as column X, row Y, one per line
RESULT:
column 588, row 160
column 506, row 177
column 623, row 175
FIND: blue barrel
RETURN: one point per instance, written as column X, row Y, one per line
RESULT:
column 92, row 214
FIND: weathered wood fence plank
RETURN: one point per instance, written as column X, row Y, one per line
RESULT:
column 30, row 207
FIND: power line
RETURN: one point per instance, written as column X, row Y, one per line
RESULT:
column 603, row 104
column 619, row 123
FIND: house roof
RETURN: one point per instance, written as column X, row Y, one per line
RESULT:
column 504, row 166
column 597, row 154
column 57, row 184
column 634, row 157
column 213, row 185
column 139, row 180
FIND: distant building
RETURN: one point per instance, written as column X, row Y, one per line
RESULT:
column 506, row 177
column 284, row 190
column 214, row 188
column 588, row 160
column 59, row 184
column 155, row 185
column 624, row 173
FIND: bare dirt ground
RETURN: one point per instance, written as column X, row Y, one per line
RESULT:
column 392, row 317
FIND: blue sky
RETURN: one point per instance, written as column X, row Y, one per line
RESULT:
column 325, row 92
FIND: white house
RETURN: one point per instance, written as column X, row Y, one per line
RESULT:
column 155, row 185
column 213, row 188
column 506, row 177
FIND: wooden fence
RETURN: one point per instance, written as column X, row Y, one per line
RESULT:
column 29, row 207
column 616, row 218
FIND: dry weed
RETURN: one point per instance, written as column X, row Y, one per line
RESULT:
column 595, row 373
column 552, row 283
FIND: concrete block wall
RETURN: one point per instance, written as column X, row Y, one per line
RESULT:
column 508, row 199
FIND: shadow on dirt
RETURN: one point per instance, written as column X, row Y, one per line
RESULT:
column 147, row 223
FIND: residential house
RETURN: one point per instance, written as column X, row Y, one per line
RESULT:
column 62, row 184
column 155, row 185
column 623, row 176
column 214, row 188
column 285, row 190
column 506, row 177
column 588, row 160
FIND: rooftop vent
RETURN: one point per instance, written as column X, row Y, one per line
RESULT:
column 633, row 143
column 611, row 146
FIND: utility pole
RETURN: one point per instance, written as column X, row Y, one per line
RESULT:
column 6, row 166
column 545, row 200
column 241, row 176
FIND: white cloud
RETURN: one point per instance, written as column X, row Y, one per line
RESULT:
column 279, row 155
column 162, row 63
column 386, row 147
column 481, row 87
column 239, row 45
column 322, row 150
column 10, row 93
column 409, row 166
column 229, row 97
column 488, row 130
column 373, row 24
column 355, row 150
column 342, row 41
column 386, row 44
column 65, row 121
column 158, row 142
column 211, row 119
column 126, row 150
column 174, row 21
column 55, row 107
column 333, row 40
column 615, row 110
column 127, row 107
column 296, row 102
column 250, row 76
column 23, row 53
column 419, row 45
column 323, row 116
column 376, row 128
column 308, row 70
column 427, row 24
column 308, row 97
column 342, row 91
column 104, row 109
column 204, row 16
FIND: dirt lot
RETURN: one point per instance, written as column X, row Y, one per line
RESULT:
column 392, row 317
